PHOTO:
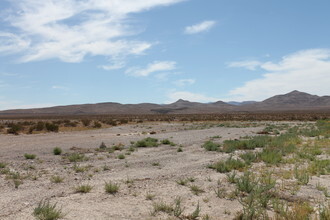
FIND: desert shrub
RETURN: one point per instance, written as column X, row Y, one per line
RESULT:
column 51, row 127
column 255, row 195
column 231, row 177
column 246, row 183
column 228, row 165
column 162, row 207
column 103, row 146
column 46, row 211
column 147, row 142
column 324, row 212
column 83, row 188
column 57, row 151
column 299, row 211
column 111, row 188
column 211, row 146
column 2, row 165
column 40, row 126
column 56, row 179
column 14, row 128
column 76, row 157
column 97, row 124
column 270, row 156
column 319, row 167
column 121, row 156
column 249, row 157
column 196, row 190
column 182, row 182
column 302, row 176
column 86, row 122
column 167, row 142
column 230, row 146
column 29, row 156
column 118, row 147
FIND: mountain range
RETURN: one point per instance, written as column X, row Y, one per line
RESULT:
column 293, row 101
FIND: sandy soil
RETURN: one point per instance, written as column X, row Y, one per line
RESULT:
column 145, row 171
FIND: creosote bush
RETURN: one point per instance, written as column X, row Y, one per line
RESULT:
column 57, row 151
column 147, row 142
column 228, row 165
column 211, row 146
column 29, row 156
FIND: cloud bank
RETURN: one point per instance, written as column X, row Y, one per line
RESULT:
column 70, row 30
column 307, row 71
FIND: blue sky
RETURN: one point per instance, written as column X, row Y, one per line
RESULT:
column 60, row 52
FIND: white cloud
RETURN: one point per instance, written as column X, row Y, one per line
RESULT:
column 11, row 43
column 69, row 30
column 60, row 87
column 193, row 97
column 307, row 71
column 184, row 82
column 114, row 66
column 200, row 27
column 157, row 66
column 4, row 105
column 248, row 64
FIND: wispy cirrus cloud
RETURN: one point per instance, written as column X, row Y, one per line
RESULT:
column 60, row 87
column 184, row 82
column 200, row 27
column 70, row 30
column 248, row 64
column 306, row 70
column 157, row 66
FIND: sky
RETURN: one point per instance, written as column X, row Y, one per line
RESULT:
column 61, row 52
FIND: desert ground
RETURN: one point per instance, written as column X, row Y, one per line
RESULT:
column 176, row 179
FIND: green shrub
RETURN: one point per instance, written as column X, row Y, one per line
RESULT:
column 76, row 157
column 246, row 183
column 111, row 188
column 57, row 151
column 2, row 165
column 167, row 142
column 270, row 156
column 211, row 146
column 46, row 211
column 196, row 190
column 162, row 207
column 51, row 127
column 40, row 126
column 319, row 167
column 121, row 156
column 56, row 179
column 14, row 128
column 29, row 156
column 230, row 146
column 249, row 157
column 86, row 122
column 228, row 165
column 83, row 188
column 147, row 142
column 97, row 124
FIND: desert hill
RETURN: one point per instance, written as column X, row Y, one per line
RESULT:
column 293, row 101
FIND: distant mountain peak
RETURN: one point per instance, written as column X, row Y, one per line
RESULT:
column 182, row 101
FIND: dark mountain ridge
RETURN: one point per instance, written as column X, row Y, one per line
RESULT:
column 293, row 101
